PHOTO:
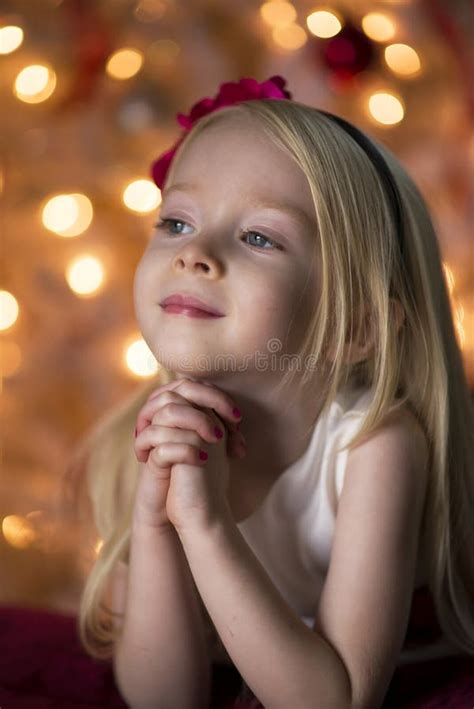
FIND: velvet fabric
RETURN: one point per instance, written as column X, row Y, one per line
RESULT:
column 43, row 666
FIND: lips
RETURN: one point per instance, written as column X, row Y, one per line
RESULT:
column 188, row 301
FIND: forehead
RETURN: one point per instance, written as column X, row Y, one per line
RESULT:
column 236, row 157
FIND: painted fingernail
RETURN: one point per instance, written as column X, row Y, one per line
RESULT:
column 218, row 432
column 236, row 413
column 203, row 455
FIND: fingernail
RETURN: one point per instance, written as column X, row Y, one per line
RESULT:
column 236, row 412
column 203, row 455
column 218, row 432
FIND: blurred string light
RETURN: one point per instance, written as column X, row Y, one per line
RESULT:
column 124, row 63
column 141, row 196
column 35, row 83
column 67, row 214
column 11, row 37
column 8, row 309
column 402, row 59
column 379, row 26
column 386, row 108
column 139, row 359
column 324, row 23
column 289, row 37
column 34, row 530
column 85, row 275
column 280, row 15
column 18, row 531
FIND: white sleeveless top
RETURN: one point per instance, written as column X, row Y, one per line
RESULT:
column 291, row 532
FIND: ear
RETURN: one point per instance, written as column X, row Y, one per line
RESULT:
column 355, row 352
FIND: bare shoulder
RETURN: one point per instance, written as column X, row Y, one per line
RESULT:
column 404, row 426
column 402, row 445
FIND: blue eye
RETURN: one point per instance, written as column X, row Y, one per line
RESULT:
column 166, row 223
column 169, row 223
column 261, row 237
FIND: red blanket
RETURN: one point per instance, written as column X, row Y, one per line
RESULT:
column 43, row 666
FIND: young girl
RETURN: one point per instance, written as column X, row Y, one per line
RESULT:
column 293, row 285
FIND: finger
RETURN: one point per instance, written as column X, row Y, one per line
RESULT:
column 149, row 416
column 148, row 410
column 188, row 417
column 164, row 387
column 153, row 436
column 203, row 394
column 236, row 445
column 210, row 396
column 166, row 454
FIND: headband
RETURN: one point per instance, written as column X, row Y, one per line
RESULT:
column 249, row 89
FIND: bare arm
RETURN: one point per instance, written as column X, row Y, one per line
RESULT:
column 161, row 658
column 348, row 659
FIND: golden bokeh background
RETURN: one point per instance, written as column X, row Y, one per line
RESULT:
column 89, row 92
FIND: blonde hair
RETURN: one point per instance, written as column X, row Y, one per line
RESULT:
column 419, row 366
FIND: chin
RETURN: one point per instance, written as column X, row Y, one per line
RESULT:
column 185, row 362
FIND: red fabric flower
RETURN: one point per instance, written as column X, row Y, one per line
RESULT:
column 246, row 89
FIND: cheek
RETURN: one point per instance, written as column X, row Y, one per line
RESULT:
column 141, row 288
column 268, row 301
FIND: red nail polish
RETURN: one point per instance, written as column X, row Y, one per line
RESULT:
column 218, row 432
column 236, row 412
column 203, row 455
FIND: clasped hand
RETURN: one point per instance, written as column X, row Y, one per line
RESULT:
column 177, row 487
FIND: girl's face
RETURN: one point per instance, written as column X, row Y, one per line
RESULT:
column 242, row 241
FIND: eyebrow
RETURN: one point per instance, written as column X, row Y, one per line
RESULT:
column 297, row 214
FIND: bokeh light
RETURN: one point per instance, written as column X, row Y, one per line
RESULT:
column 85, row 275
column 139, row 359
column 385, row 108
column 141, row 196
column 18, row 532
column 278, row 13
column 35, row 83
column 67, row 214
column 11, row 37
column 289, row 37
column 378, row 26
column 324, row 24
column 124, row 63
column 402, row 59
column 8, row 309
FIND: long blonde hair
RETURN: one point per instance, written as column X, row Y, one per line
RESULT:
column 420, row 365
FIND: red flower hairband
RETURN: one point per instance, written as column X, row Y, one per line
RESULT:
column 229, row 93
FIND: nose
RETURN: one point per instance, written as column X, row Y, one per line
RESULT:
column 197, row 259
